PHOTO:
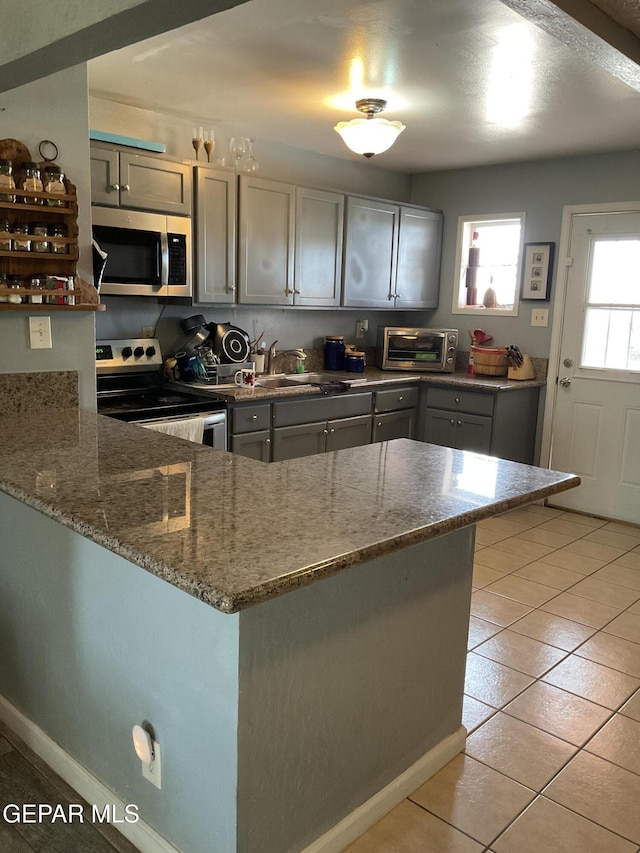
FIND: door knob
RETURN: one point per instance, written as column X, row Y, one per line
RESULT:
column 565, row 382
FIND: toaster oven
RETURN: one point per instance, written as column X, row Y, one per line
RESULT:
column 417, row 350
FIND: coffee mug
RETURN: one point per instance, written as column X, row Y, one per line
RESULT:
column 245, row 378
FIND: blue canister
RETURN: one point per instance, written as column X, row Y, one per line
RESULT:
column 334, row 352
column 354, row 361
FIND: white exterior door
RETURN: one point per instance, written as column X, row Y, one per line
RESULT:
column 596, row 418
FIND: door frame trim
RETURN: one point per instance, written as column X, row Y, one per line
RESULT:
column 562, row 274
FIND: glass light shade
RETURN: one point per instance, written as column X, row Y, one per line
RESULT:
column 369, row 136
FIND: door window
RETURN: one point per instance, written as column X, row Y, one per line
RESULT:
column 611, row 339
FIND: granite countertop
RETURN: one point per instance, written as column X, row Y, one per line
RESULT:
column 375, row 378
column 249, row 531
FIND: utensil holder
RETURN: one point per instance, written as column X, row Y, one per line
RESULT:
column 525, row 371
column 490, row 361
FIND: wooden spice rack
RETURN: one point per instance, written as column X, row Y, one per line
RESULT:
column 43, row 264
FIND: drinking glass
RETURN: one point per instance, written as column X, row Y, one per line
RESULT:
column 196, row 139
column 251, row 164
column 237, row 149
column 209, row 144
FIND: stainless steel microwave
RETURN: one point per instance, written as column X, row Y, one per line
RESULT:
column 147, row 254
column 417, row 350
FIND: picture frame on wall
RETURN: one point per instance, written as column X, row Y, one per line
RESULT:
column 537, row 268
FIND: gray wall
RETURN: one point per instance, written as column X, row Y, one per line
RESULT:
column 55, row 108
column 92, row 644
column 541, row 189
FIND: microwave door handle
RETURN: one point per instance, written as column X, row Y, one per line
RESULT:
column 164, row 259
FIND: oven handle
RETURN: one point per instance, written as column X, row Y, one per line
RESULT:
column 210, row 418
column 164, row 256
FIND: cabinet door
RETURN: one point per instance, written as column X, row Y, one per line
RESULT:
column 394, row 425
column 105, row 177
column 294, row 441
column 473, row 432
column 254, row 445
column 318, row 255
column 348, row 432
column 418, row 273
column 267, row 232
column 371, row 250
column 440, row 427
column 150, row 183
column 215, row 235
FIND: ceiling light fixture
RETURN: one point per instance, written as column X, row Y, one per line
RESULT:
column 369, row 136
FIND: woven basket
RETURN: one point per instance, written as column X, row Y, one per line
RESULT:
column 490, row 361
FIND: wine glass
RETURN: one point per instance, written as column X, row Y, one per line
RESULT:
column 209, row 144
column 196, row 139
column 237, row 149
column 251, row 164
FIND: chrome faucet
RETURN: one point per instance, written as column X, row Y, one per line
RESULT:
column 299, row 353
column 272, row 358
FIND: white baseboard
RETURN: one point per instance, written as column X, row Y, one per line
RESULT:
column 363, row 818
column 140, row 834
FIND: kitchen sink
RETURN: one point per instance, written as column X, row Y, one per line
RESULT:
column 280, row 382
column 315, row 378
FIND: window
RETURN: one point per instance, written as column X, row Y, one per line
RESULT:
column 488, row 263
column 612, row 327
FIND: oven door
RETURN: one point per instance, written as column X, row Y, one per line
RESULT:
column 214, row 432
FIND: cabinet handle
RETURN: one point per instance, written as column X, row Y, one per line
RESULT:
column 254, row 417
column 379, row 423
column 126, row 187
column 325, row 431
column 115, row 187
column 332, row 430
column 400, row 398
column 452, row 421
column 231, row 288
column 295, row 290
column 459, row 423
column 457, row 400
column 390, row 297
column 398, row 296
column 267, row 441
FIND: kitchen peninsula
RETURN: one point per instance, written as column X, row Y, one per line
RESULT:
column 294, row 633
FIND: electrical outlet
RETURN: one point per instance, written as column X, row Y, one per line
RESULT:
column 147, row 332
column 153, row 772
column 40, row 333
column 362, row 327
column 539, row 316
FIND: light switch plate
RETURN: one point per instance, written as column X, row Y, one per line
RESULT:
column 40, row 333
column 539, row 316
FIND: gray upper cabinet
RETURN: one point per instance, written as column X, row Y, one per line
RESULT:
column 318, row 247
column 418, row 271
column 216, row 208
column 371, row 253
column 124, row 179
column 392, row 255
column 267, row 234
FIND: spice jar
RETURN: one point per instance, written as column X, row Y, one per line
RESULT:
column 31, row 182
column 52, row 283
column 3, row 284
column 35, row 283
column 7, row 181
column 20, row 241
column 14, row 283
column 53, row 180
column 39, row 229
column 334, row 352
column 59, row 246
column 5, row 235
column 354, row 361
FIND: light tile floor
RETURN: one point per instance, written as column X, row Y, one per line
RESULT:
column 552, row 707
column 552, row 704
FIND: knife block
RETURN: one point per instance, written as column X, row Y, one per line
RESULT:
column 525, row 371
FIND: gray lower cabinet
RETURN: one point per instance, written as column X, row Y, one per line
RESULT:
column 302, row 427
column 250, row 431
column 500, row 423
column 395, row 411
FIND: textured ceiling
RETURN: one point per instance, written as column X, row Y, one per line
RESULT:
column 474, row 81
